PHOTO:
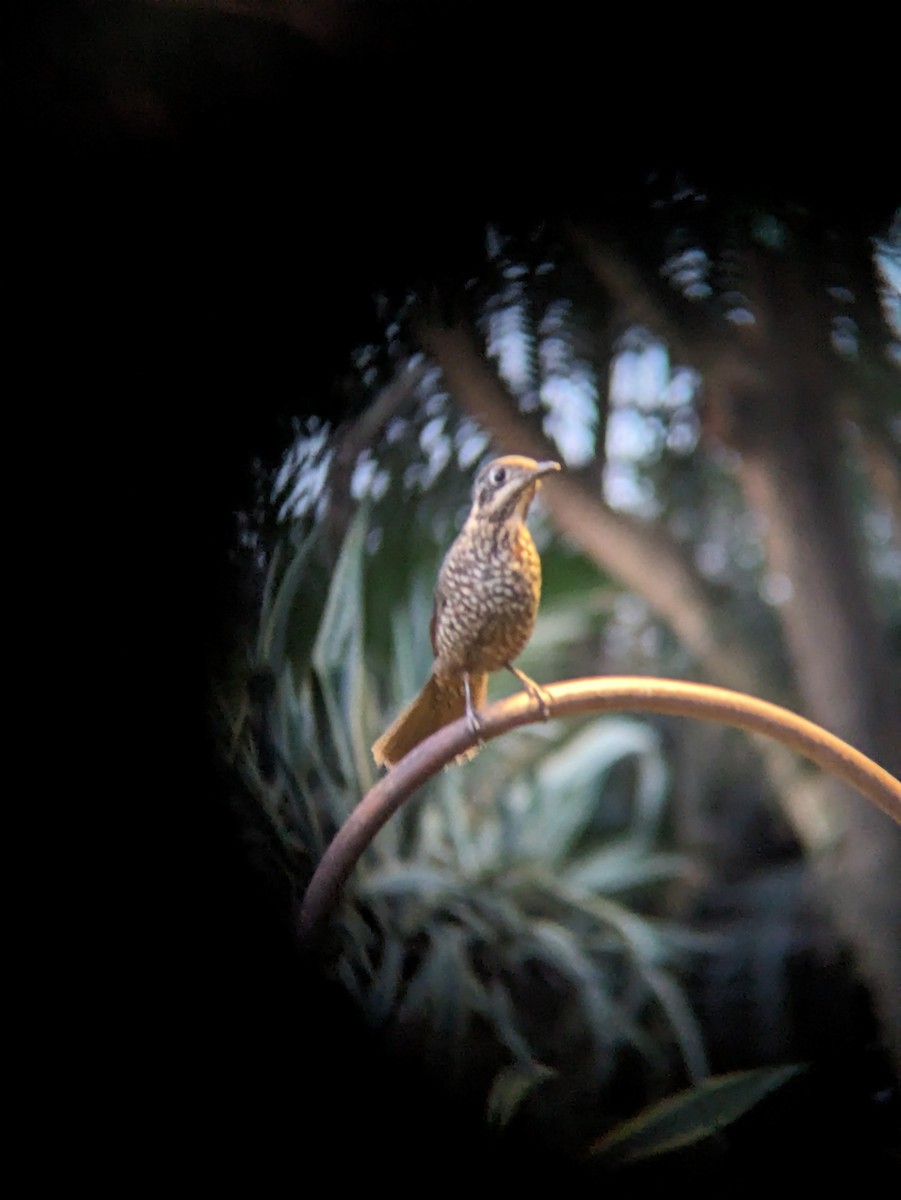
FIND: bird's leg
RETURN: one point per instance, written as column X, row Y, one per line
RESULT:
column 535, row 690
column 471, row 716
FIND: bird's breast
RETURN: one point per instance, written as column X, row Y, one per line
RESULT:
column 486, row 600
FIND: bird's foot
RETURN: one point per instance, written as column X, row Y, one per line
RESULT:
column 539, row 694
column 472, row 717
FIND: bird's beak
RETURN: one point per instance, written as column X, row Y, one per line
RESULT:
column 545, row 468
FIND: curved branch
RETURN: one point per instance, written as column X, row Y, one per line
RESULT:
column 612, row 694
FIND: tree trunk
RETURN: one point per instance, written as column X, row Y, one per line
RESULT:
column 792, row 478
column 778, row 409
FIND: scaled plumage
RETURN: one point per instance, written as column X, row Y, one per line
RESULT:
column 486, row 602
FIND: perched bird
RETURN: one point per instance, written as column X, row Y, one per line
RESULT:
column 486, row 602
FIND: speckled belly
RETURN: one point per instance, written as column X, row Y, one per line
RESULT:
column 486, row 603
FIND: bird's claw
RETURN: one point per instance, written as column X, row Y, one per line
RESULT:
column 472, row 717
column 539, row 694
column 543, row 699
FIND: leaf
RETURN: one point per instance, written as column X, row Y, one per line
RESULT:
column 338, row 654
column 606, row 1020
column 692, row 1115
column 414, row 878
column 278, row 609
column 336, row 635
column 575, row 774
column 501, row 1011
column 384, row 986
column 622, row 865
column 682, row 1020
column 443, row 993
column 511, row 1087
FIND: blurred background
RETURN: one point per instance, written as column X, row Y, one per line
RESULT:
column 335, row 256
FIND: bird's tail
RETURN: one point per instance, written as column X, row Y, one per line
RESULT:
column 441, row 701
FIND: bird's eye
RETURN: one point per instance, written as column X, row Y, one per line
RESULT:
column 498, row 475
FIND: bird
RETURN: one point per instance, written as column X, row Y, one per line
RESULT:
column 485, row 606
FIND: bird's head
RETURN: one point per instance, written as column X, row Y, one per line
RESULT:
column 505, row 487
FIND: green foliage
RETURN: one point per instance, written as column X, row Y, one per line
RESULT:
column 499, row 923
column 692, row 1115
column 508, row 925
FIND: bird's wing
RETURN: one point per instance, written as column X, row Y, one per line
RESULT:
column 437, row 609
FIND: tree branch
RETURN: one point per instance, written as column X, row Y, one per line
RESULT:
column 643, row 557
column 571, row 697
column 356, row 436
column 647, row 300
